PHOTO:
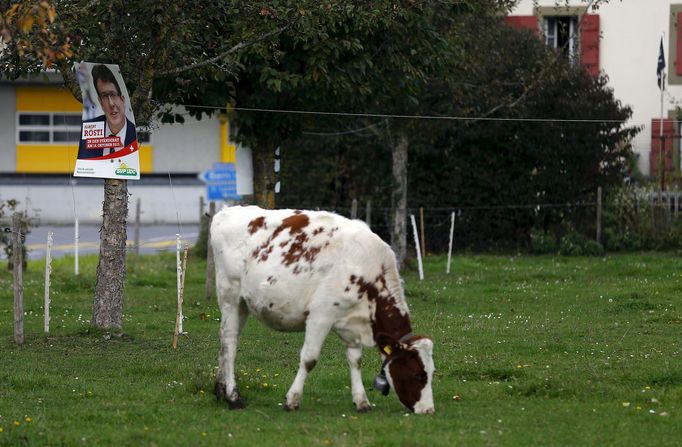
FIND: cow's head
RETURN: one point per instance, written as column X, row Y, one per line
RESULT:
column 408, row 368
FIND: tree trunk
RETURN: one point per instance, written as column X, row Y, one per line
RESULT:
column 264, row 177
column 107, row 309
column 399, row 198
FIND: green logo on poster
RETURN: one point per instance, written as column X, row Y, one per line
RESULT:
column 125, row 170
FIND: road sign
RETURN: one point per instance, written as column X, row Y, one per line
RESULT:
column 219, row 174
column 221, row 182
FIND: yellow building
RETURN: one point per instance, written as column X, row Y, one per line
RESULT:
column 40, row 125
column 40, row 129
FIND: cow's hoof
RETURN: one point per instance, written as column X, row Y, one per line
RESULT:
column 288, row 407
column 220, row 391
column 234, row 400
column 292, row 403
column 363, row 407
column 236, row 404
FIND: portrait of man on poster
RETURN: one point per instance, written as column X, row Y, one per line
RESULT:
column 113, row 103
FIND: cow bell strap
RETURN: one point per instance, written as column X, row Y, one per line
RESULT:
column 406, row 337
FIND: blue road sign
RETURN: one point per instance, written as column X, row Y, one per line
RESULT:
column 221, row 182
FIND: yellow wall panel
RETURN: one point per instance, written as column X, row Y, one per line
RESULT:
column 228, row 150
column 46, row 99
column 33, row 158
column 146, row 159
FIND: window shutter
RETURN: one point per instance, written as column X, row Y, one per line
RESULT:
column 678, row 38
column 668, row 132
column 523, row 22
column 589, row 43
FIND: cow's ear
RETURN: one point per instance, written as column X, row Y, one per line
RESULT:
column 387, row 344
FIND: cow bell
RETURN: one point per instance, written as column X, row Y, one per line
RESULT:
column 381, row 384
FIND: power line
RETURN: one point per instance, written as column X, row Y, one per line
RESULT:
column 420, row 117
column 347, row 132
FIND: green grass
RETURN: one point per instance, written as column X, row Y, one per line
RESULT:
column 541, row 350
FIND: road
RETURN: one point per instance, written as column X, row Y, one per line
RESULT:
column 153, row 238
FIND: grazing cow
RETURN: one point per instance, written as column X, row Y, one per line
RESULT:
column 317, row 271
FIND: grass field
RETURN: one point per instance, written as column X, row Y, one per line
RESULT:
column 528, row 351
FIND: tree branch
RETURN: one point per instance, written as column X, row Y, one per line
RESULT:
column 539, row 78
column 241, row 45
column 65, row 69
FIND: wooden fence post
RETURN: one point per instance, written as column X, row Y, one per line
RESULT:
column 48, row 272
column 137, row 227
column 354, row 209
column 76, row 238
column 210, row 263
column 181, row 292
column 18, row 261
column 599, row 213
column 452, row 235
column 178, row 248
column 416, row 243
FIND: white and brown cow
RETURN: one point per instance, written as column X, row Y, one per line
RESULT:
column 317, row 271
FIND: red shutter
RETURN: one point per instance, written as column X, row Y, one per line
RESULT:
column 668, row 132
column 523, row 22
column 589, row 43
column 678, row 38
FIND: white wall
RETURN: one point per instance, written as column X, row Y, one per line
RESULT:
column 61, row 204
column 631, row 34
column 189, row 147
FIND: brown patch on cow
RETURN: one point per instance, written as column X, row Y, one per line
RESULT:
column 387, row 316
column 409, row 376
column 295, row 244
column 369, row 288
column 256, row 224
column 262, row 253
column 294, row 223
column 310, row 364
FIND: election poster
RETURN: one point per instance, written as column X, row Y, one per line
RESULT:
column 108, row 146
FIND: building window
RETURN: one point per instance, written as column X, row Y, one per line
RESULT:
column 58, row 128
column 48, row 127
column 560, row 33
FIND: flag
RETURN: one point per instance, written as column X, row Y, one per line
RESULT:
column 661, row 66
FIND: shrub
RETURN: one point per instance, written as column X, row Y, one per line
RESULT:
column 7, row 208
column 542, row 242
column 575, row 244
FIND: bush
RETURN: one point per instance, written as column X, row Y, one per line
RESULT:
column 7, row 208
column 627, row 240
column 575, row 244
column 542, row 243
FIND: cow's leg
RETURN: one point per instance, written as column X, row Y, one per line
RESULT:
column 315, row 334
column 354, row 357
column 234, row 314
